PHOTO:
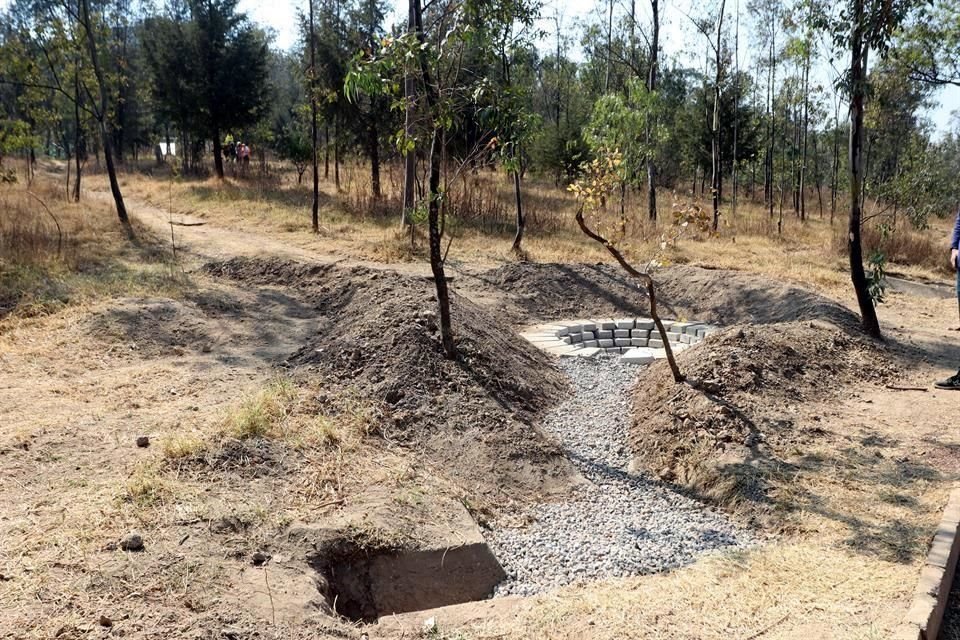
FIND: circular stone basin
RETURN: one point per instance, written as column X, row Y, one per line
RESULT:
column 634, row 340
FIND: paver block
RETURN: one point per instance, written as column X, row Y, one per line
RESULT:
column 588, row 326
column 644, row 323
column 640, row 333
column 606, row 324
column 625, row 323
column 562, row 349
column 590, row 344
column 621, row 333
column 576, row 337
column 655, row 343
column 605, row 342
column 588, row 353
column 605, row 334
column 588, row 335
column 638, row 356
column 622, row 342
column 638, row 342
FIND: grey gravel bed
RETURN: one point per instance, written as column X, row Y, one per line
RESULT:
column 619, row 524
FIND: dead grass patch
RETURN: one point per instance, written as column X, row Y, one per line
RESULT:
column 43, row 270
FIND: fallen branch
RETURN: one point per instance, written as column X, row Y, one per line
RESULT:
column 896, row 387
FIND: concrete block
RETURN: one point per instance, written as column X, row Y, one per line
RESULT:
column 588, row 335
column 562, row 331
column 566, row 340
column 644, row 323
column 680, row 326
column 576, row 338
column 590, row 344
column 638, row 356
column 621, row 333
column 640, row 333
column 673, row 336
column 659, row 354
column 625, row 323
column 622, row 342
column 562, row 350
column 605, row 342
column 538, row 337
column 588, row 326
column 694, row 327
column 687, row 338
column 638, row 342
column 605, row 334
column 613, row 350
column 605, row 324
column 589, row 353
column 655, row 343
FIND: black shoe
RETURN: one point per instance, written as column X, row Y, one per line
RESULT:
column 953, row 382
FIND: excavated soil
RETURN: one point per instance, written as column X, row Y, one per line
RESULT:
column 377, row 336
column 555, row 291
column 755, row 396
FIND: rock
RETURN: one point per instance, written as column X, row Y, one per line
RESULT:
column 143, row 441
column 133, row 541
column 105, row 621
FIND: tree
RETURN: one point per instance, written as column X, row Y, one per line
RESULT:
column 209, row 68
column 102, row 112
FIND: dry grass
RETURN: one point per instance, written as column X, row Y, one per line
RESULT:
column 42, row 271
column 810, row 253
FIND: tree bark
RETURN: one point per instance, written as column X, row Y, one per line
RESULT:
column 433, row 208
column 868, row 312
column 652, row 87
column 410, row 157
column 78, row 132
column 315, row 205
column 374, row 143
column 716, row 179
column 521, row 221
column 103, row 116
column 217, row 152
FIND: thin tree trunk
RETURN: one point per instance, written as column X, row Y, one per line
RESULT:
column 857, row 76
column 315, row 205
column 77, row 132
column 647, row 282
column 433, row 208
column 716, row 180
column 217, row 152
column 374, row 143
column 103, row 116
column 652, row 87
column 336, row 152
column 521, row 221
column 326, row 151
column 410, row 155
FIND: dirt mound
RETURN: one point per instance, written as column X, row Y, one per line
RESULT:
column 553, row 291
column 751, row 406
column 377, row 336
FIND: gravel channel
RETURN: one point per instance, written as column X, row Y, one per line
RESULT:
column 617, row 525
